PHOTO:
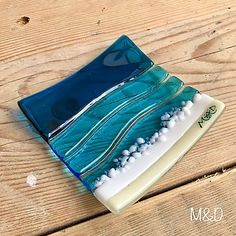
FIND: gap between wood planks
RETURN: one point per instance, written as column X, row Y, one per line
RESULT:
column 209, row 175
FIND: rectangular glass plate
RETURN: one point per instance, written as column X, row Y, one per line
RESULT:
column 119, row 124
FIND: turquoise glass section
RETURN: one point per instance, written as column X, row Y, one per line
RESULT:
column 96, row 149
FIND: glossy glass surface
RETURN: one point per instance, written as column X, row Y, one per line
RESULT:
column 115, row 121
column 54, row 108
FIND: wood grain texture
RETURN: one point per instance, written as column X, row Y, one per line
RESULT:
column 195, row 40
column 170, row 213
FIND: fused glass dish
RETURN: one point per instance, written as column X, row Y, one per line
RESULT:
column 120, row 123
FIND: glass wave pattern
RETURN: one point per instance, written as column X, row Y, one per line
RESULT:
column 91, row 143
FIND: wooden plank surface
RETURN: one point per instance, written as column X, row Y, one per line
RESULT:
column 195, row 40
column 171, row 213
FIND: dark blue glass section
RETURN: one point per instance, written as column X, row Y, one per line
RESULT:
column 54, row 108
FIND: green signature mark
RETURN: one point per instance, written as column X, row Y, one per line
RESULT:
column 207, row 116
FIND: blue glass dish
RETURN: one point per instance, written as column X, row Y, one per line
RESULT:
column 103, row 121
